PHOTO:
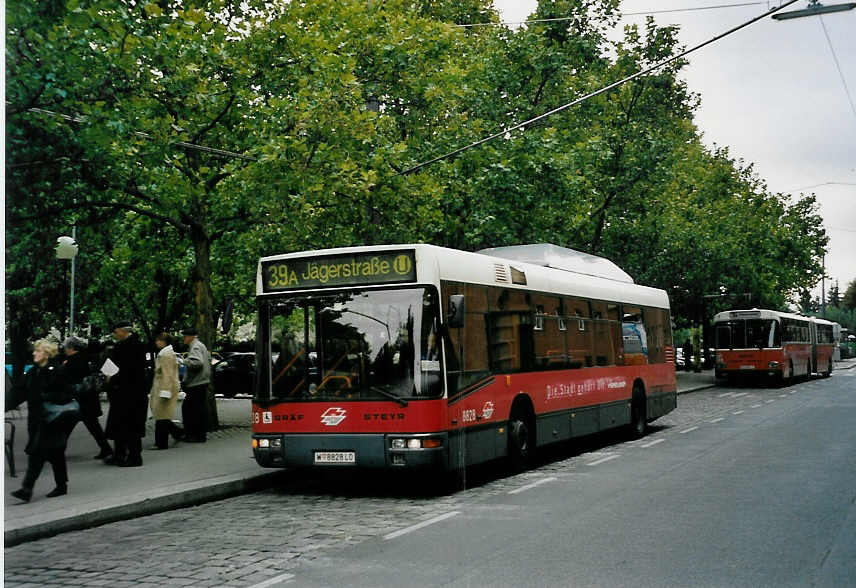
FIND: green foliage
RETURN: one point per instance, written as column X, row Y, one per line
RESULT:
column 326, row 103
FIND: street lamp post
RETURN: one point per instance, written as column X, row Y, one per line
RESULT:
column 66, row 248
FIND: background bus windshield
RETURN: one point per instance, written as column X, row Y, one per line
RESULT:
column 748, row 334
column 367, row 345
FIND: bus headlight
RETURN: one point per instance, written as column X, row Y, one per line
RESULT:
column 773, row 365
column 416, row 443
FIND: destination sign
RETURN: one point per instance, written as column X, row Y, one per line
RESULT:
column 375, row 267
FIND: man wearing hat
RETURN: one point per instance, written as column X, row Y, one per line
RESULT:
column 194, row 409
column 128, row 395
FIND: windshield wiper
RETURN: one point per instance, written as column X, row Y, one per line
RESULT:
column 389, row 395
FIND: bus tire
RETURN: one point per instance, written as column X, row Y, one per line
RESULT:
column 828, row 371
column 521, row 439
column 638, row 412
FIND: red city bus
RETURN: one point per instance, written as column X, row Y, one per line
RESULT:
column 417, row 356
column 774, row 344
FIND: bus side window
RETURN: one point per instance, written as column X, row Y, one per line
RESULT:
column 466, row 347
column 579, row 334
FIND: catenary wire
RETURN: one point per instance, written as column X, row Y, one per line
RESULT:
column 838, row 67
column 564, row 18
column 638, row 74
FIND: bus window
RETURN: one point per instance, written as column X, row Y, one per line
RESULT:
column 580, row 343
column 549, row 339
column 634, row 336
column 659, row 333
column 290, row 350
column 608, row 348
column 466, row 351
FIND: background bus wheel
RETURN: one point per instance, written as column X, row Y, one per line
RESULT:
column 638, row 412
column 521, row 444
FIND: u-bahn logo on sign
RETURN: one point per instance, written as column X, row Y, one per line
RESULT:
column 402, row 265
column 333, row 416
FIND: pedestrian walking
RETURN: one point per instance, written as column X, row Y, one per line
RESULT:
column 86, row 390
column 45, row 388
column 164, row 393
column 194, row 409
column 128, row 393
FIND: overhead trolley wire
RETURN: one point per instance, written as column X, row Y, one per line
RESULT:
column 564, row 18
column 638, row 74
column 838, row 67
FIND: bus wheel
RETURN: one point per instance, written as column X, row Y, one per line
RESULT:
column 638, row 412
column 521, row 446
column 828, row 371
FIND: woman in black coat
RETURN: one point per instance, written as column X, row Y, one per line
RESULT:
column 87, row 393
column 44, row 382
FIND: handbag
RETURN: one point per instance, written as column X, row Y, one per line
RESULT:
column 52, row 412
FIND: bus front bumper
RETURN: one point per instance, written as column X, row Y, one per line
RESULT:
column 371, row 450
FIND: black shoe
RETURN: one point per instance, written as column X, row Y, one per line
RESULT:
column 23, row 494
column 131, row 463
column 114, row 460
column 105, row 454
column 58, row 491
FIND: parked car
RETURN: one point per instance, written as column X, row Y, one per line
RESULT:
column 234, row 374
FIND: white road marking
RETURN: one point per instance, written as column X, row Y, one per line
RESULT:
column 741, row 394
column 783, row 395
column 736, row 412
column 792, row 392
column 272, row 581
column 418, row 526
column 716, row 420
column 688, row 430
column 726, row 394
column 652, row 443
column 755, row 406
column 769, row 401
column 532, row 485
column 604, row 459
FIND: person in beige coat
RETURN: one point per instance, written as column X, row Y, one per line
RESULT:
column 164, row 394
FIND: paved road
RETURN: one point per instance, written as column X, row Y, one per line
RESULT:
column 737, row 487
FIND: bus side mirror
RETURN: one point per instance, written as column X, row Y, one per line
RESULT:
column 455, row 313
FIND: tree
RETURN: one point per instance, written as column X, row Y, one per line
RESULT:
column 848, row 301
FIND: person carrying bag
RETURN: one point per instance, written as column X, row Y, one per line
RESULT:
column 52, row 413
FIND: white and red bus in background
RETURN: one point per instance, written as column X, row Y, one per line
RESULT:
column 779, row 345
column 417, row 356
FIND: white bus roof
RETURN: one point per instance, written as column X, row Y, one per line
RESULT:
column 439, row 263
column 570, row 260
column 757, row 313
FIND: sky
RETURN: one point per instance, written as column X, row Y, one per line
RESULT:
column 772, row 94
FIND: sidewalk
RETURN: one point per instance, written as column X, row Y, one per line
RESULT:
column 184, row 475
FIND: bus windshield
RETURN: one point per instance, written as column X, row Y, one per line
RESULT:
column 748, row 334
column 359, row 345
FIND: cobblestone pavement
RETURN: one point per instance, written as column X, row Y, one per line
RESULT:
column 251, row 539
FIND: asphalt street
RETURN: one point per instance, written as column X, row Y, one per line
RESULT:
column 737, row 487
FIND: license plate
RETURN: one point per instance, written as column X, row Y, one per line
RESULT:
column 747, row 367
column 336, row 457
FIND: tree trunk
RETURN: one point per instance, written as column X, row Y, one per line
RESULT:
column 204, row 306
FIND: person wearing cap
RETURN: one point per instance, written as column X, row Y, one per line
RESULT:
column 81, row 378
column 194, row 409
column 129, row 398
